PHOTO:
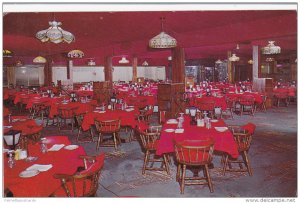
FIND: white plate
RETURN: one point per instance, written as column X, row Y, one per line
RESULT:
column 29, row 173
column 221, row 129
column 213, row 120
column 169, row 130
column 71, row 147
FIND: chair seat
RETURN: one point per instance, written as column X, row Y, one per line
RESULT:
column 109, row 129
column 193, row 157
column 79, row 189
column 152, row 145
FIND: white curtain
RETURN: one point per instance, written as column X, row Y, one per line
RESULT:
column 122, row 73
column 88, row 73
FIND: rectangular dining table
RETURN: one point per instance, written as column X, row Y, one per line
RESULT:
column 43, row 184
column 224, row 141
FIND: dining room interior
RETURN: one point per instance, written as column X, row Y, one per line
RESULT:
column 146, row 100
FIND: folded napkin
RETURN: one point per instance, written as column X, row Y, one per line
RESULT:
column 179, row 130
column 39, row 167
column 56, row 147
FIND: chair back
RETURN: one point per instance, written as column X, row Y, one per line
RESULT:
column 208, row 105
column 108, row 126
column 84, row 183
column 242, row 138
column 194, row 152
column 247, row 100
column 64, row 112
column 150, row 137
column 79, row 119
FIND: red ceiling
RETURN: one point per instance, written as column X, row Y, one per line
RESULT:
column 203, row 34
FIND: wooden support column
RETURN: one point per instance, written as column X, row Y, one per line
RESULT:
column 178, row 67
column 134, row 69
column 256, row 70
column 48, row 72
column 230, row 69
column 69, row 63
column 108, row 69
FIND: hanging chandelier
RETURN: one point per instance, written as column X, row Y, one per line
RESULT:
column 55, row 34
column 145, row 63
column 162, row 40
column 270, row 59
column 219, row 61
column 75, row 54
column 91, row 62
column 234, row 58
column 39, row 59
column 123, row 60
column 7, row 53
column 271, row 48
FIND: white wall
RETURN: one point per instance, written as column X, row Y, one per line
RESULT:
column 79, row 73
column 122, row 73
column 59, row 73
column 88, row 73
column 152, row 72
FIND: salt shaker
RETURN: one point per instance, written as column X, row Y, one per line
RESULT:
column 44, row 148
column 11, row 162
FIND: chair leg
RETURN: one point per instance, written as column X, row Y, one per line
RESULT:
column 99, row 141
column 79, row 132
column 210, row 185
column 146, row 158
column 247, row 162
column 178, row 175
column 182, row 179
column 166, row 163
column 115, row 141
column 225, row 164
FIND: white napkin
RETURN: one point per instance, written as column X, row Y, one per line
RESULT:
column 56, row 147
column 39, row 167
column 179, row 130
column 8, row 126
column 128, row 110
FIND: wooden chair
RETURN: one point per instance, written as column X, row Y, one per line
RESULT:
column 207, row 106
column 38, row 110
column 194, row 153
column 247, row 104
column 90, row 138
column 84, row 183
column 108, row 128
column 263, row 105
column 281, row 97
column 65, row 114
column 243, row 140
column 150, row 139
column 230, row 107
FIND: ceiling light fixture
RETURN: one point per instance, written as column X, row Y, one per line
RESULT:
column 75, row 54
column 55, row 34
column 219, row 61
column 162, row 40
column 7, row 53
column 271, row 48
column 39, row 59
column 91, row 62
column 123, row 60
column 19, row 63
column 270, row 59
column 145, row 63
column 250, row 61
column 234, row 58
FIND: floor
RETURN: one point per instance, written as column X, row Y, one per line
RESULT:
column 273, row 155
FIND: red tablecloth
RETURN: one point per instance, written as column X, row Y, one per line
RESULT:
column 141, row 101
column 236, row 96
column 80, row 107
column 27, row 126
column 83, row 93
column 224, row 141
column 127, row 118
column 291, row 91
column 219, row 101
column 20, row 96
column 43, row 184
column 45, row 100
